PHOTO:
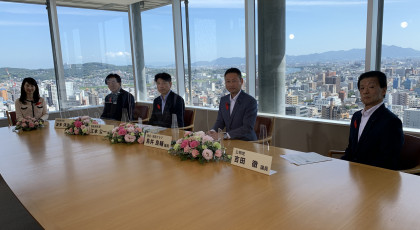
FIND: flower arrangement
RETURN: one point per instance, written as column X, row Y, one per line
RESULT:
column 29, row 123
column 126, row 133
column 80, row 126
column 198, row 146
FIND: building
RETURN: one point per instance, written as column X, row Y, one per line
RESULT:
column 3, row 94
column 292, row 99
column 411, row 118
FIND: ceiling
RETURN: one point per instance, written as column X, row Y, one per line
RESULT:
column 117, row 5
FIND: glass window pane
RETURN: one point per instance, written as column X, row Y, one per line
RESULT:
column 158, row 43
column 26, row 52
column 217, row 42
column 325, row 53
column 94, row 44
column 401, row 59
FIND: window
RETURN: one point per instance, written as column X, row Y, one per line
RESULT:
column 158, row 43
column 401, row 59
column 325, row 54
column 26, row 52
column 217, row 42
column 94, row 44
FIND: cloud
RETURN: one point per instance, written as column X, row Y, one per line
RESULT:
column 118, row 54
column 14, row 23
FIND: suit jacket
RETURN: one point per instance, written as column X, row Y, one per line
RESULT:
column 240, row 124
column 380, row 142
column 114, row 111
column 174, row 105
column 31, row 109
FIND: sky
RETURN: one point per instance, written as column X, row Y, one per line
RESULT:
column 217, row 29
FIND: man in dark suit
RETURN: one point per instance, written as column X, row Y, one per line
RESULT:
column 376, row 135
column 167, row 103
column 117, row 101
column 237, row 110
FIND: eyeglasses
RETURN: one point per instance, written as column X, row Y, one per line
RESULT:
column 111, row 82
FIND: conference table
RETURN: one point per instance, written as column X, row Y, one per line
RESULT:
column 85, row 182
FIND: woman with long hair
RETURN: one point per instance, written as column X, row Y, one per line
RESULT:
column 30, row 104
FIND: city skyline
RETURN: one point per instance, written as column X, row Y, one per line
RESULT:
column 224, row 21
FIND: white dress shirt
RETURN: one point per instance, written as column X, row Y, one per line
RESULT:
column 164, row 100
column 365, row 118
column 233, row 101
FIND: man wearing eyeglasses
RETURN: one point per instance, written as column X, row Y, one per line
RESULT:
column 119, row 104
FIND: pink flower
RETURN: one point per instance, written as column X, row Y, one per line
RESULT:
column 138, row 129
column 70, row 130
column 207, row 138
column 218, row 153
column 187, row 149
column 207, row 154
column 76, row 131
column 194, row 144
column 179, row 141
column 78, row 124
column 94, row 122
column 130, row 129
column 141, row 140
column 128, row 138
column 23, row 125
column 84, row 117
column 83, row 127
column 187, row 133
column 184, row 143
column 195, row 153
column 122, row 131
column 200, row 134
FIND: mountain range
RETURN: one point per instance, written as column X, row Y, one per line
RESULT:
column 394, row 52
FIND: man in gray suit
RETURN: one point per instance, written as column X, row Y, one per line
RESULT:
column 237, row 110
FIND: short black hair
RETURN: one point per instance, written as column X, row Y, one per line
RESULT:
column 234, row 70
column 164, row 76
column 113, row 75
column 378, row 74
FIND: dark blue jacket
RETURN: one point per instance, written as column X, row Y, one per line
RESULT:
column 239, row 124
column 114, row 111
column 174, row 105
column 381, row 141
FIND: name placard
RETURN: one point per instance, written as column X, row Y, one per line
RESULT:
column 62, row 123
column 251, row 160
column 157, row 141
column 100, row 130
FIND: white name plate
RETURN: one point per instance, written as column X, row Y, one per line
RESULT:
column 62, row 123
column 157, row 141
column 100, row 130
column 252, row 160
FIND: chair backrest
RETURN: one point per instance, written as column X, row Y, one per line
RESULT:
column 267, row 121
column 11, row 117
column 141, row 111
column 410, row 153
column 189, row 117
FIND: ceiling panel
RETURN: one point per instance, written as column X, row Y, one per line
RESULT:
column 117, row 5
